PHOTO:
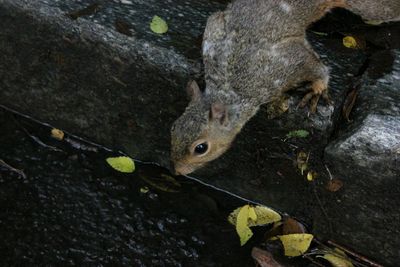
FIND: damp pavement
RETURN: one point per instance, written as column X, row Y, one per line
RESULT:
column 72, row 209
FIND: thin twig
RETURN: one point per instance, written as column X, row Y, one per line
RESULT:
column 9, row 167
column 329, row 172
column 322, row 208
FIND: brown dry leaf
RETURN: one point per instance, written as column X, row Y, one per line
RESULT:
column 57, row 134
column 274, row 231
column 264, row 258
column 89, row 10
column 349, row 104
column 123, row 27
column 334, row 185
column 292, row 226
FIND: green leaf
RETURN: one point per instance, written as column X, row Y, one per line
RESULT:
column 158, row 25
column 298, row 134
column 122, row 164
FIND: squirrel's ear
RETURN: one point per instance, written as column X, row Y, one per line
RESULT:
column 193, row 90
column 219, row 112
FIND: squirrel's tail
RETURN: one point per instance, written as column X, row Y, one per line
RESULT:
column 373, row 10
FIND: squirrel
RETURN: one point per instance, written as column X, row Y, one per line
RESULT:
column 253, row 52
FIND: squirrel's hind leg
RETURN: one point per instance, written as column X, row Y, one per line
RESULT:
column 304, row 66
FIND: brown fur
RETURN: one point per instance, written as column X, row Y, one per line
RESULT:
column 253, row 52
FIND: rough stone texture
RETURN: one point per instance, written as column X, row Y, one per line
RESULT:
column 366, row 155
column 124, row 92
column 89, row 79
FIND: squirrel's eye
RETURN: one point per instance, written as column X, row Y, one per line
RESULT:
column 201, row 148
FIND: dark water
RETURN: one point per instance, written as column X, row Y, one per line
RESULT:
column 72, row 209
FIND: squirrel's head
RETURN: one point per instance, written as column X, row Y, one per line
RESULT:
column 203, row 132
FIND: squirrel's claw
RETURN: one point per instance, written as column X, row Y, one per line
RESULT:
column 319, row 88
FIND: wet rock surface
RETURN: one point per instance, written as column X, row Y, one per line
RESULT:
column 124, row 92
column 366, row 155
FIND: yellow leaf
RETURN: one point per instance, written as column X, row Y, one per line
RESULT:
column 295, row 244
column 158, row 25
column 311, row 175
column 263, row 216
column 57, row 134
column 337, row 260
column 122, row 164
column 144, row 189
column 242, row 227
column 252, row 214
column 350, row 42
column 266, row 215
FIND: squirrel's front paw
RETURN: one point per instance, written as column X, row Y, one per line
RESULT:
column 318, row 88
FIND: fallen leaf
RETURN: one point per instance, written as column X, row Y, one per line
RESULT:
column 122, row 164
column 349, row 104
column 263, row 216
column 264, row 258
column 89, row 10
column 298, row 134
column 354, row 42
column 292, row 226
column 334, row 185
column 350, row 42
column 123, row 27
column 311, row 175
column 158, row 25
column 252, row 214
column 242, row 227
column 296, row 244
column 144, row 189
column 337, row 258
column 57, row 134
